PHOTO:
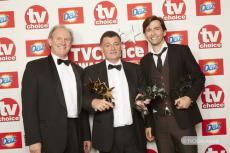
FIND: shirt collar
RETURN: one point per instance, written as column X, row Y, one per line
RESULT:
column 163, row 45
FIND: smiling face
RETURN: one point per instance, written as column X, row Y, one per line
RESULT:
column 111, row 47
column 154, row 33
column 60, row 42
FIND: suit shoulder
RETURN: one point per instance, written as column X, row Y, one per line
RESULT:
column 93, row 67
column 145, row 57
column 37, row 62
column 178, row 46
column 130, row 64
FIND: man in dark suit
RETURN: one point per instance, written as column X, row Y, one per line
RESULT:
column 167, row 65
column 117, row 128
column 52, row 100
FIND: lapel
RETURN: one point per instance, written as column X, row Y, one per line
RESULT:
column 78, row 86
column 102, row 73
column 171, row 63
column 151, row 67
column 129, row 78
column 56, row 82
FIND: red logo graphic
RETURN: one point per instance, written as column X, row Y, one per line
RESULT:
column 216, row 149
column 174, row 10
column 212, row 66
column 214, row 127
column 7, row 19
column 139, row 11
column 73, row 15
column 9, row 110
column 11, row 140
column 36, row 17
column 207, row 7
column 37, row 48
column 7, row 50
column 151, row 151
column 89, row 54
column 209, row 37
column 105, row 12
column 212, row 97
column 133, row 52
column 8, row 80
column 177, row 37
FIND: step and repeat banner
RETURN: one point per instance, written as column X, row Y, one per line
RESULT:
column 202, row 24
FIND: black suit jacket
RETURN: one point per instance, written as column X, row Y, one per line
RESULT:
column 181, row 62
column 43, row 105
column 102, row 133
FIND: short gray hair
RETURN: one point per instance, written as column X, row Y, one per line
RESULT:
column 60, row 26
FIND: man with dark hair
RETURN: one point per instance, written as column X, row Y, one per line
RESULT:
column 166, row 65
column 117, row 128
column 52, row 99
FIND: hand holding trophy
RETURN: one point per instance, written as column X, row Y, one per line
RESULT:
column 146, row 96
column 104, row 93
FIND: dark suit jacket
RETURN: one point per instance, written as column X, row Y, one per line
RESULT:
column 44, row 109
column 102, row 134
column 181, row 62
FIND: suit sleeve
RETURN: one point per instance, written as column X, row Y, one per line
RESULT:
column 85, row 126
column 30, row 97
column 193, row 68
column 87, row 95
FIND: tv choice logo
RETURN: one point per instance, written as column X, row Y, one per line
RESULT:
column 208, row 7
column 9, row 110
column 89, row 54
column 8, row 80
column 7, row 19
column 105, row 13
column 216, row 148
column 174, row 10
column 139, row 11
column 10, row 140
column 214, row 127
column 212, row 96
column 177, row 37
column 210, row 37
column 7, row 50
column 36, row 17
column 37, row 48
column 212, row 66
column 73, row 15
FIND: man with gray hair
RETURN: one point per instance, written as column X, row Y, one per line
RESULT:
column 52, row 98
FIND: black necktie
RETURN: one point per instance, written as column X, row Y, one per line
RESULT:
column 159, row 61
column 66, row 62
column 118, row 67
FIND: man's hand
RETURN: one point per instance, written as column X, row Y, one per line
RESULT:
column 87, row 146
column 142, row 103
column 183, row 102
column 101, row 105
column 148, row 134
column 35, row 148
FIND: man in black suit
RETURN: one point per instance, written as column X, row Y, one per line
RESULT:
column 52, row 100
column 117, row 128
column 167, row 65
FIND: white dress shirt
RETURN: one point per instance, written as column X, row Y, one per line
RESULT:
column 68, row 82
column 122, row 109
column 163, row 56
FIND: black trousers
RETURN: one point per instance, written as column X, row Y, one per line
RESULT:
column 74, row 143
column 125, row 141
column 168, row 136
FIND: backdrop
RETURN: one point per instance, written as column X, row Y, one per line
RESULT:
column 202, row 24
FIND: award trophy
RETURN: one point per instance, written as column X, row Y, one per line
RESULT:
column 101, row 89
column 151, row 92
column 181, row 87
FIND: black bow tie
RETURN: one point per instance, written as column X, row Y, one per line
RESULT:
column 118, row 67
column 66, row 62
